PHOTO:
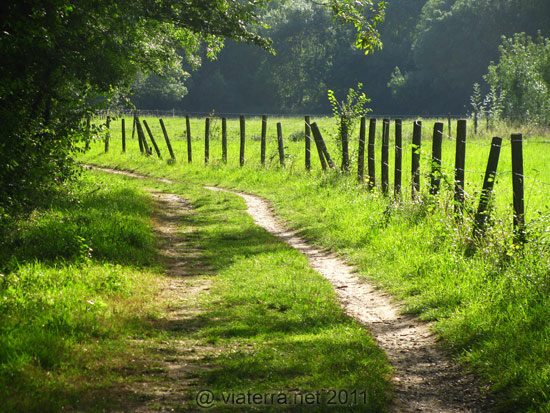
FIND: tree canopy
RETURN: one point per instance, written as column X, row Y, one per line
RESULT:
column 62, row 59
column 434, row 50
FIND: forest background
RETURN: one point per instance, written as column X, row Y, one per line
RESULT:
column 434, row 51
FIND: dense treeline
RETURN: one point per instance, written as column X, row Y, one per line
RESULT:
column 64, row 59
column 434, row 51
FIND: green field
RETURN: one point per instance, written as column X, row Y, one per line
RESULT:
column 85, row 326
column 536, row 153
column 489, row 303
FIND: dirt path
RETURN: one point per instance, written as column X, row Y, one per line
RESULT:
column 425, row 379
column 169, row 378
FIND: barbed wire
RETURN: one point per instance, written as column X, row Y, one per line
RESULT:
column 454, row 139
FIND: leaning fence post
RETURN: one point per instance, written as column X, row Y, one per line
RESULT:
column 224, row 140
column 321, row 143
column 318, row 145
column 123, row 129
column 415, row 166
column 243, row 137
column 398, row 156
column 206, row 140
column 361, row 154
column 152, row 139
column 371, row 164
column 134, row 126
column 188, row 133
column 385, row 156
column 488, row 183
column 330, row 163
column 435, row 177
column 308, row 142
column 280, row 144
column 263, row 138
column 518, row 187
column 460, row 163
column 141, row 137
column 167, row 139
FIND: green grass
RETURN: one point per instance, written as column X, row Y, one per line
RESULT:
column 278, row 320
column 82, row 320
column 489, row 305
column 71, row 289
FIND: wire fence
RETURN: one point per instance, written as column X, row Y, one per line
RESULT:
column 434, row 159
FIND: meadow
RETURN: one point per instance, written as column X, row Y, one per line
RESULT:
column 487, row 299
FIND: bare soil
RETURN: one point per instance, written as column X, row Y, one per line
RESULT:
column 425, row 378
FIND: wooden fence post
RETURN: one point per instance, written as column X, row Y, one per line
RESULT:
column 385, row 175
column 152, row 138
column 308, row 142
column 263, row 139
column 398, row 156
column 437, row 140
column 371, row 148
column 361, row 154
column 107, row 135
column 319, row 138
column 134, row 125
column 142, row 139
column 416, row 146
column 280, row 144
column 188, row 133
column 319, row 148
column 460, row 163
column 123, row 129
column 449, row 125
column 518, row 187
column 167, row 139
column 243, row 137
column 345, row 144
column 224, row 140
column 488, row 183
column 206, row 140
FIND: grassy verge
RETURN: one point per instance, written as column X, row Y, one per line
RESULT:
column 275, row 323
column 490, row 307
column 78, row 276
column 84, row 324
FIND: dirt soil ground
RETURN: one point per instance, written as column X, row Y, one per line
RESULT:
column 425, row 379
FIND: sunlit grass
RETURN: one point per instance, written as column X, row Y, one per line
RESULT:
column 488, row 304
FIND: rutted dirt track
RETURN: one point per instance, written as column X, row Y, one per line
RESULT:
column 425, row 379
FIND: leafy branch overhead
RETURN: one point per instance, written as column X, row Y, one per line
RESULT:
column 62, row 59
column 364, row 15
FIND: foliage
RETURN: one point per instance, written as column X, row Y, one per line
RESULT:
column 155, row 92
column 77, row 277
column 62, row 59
column 475, row 100
column 346, row 113
column 522, row 74
column 314, row 53
column 454, row 42
column 490, row 308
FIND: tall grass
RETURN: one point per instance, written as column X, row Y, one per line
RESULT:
column 71, row 284
column 490, row 307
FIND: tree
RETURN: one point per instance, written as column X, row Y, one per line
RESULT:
column 454, row 42
column 522, row 74
column 62, row 59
